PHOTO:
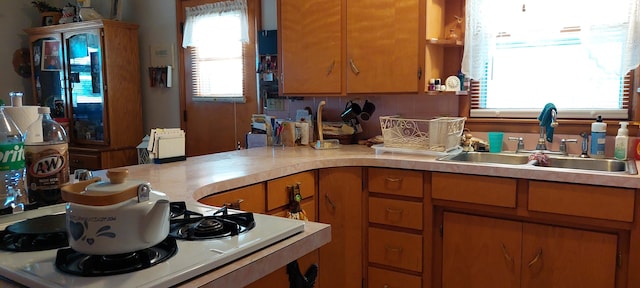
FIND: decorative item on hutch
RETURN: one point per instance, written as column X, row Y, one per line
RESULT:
column 49, row 15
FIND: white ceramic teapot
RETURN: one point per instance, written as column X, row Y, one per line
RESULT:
column 116, row 216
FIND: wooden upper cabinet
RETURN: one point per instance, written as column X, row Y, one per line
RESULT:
column 333, row 47
column 382, row 46
column 311, row 45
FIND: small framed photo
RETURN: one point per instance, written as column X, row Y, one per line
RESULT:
column 51, row 56
column 47, row 21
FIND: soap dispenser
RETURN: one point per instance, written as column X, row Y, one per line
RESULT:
column 622, row 142
column 598, row 137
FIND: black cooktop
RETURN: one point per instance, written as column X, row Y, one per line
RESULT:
column 76, row 263
column 35, row 234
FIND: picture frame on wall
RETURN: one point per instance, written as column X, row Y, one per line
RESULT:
column 116, row 10
column 51, row 56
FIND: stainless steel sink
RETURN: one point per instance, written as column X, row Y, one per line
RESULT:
column 555, row 161
column 484, row 157
column 604, row 165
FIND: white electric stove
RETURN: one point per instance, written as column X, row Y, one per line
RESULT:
column 38, row 269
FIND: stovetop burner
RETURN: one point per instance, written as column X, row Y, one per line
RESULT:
column 76, row 263
column 195, row 226
column 35, row 234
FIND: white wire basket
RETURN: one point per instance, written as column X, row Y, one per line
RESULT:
column 438, row 135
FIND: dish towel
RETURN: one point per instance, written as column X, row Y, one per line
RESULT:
column 546, row 119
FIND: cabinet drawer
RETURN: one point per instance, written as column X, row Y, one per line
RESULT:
column 251, row 198
column 397, row 249
column 278, row 195
column 380, row 278
column 582, row 200
column 395, row 212
column 395, row 181
column 85, row 161
column 309, row 207
column 487, row 190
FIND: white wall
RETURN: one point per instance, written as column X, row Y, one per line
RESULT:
column 160, row 106
column 269, row 15
column 14, row 16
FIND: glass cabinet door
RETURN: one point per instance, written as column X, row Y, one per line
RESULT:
column 86, row 88
column 48, row 68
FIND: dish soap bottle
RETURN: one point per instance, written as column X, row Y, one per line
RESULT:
column 598, row 137
column 622, row 142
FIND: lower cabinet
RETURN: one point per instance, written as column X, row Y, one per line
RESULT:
column 249, row 198
column 489, row 252
column 395, row 253
column 340, row 200
column 95, row 159
column 277, row 203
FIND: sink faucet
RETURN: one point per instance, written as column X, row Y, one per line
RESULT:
column 563, row 146
column 542, row 142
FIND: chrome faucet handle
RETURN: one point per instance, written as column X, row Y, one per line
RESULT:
column 585, row 145
column 520, row 142
column 563, row 145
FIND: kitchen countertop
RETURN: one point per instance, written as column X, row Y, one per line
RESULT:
column 201, row 176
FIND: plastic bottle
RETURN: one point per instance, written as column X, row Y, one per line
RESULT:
column 12, row 164
column 622, row 142
column 46, row 159
column 598, row 137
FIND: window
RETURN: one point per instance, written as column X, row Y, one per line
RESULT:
column 215, row 34
column 573, row 53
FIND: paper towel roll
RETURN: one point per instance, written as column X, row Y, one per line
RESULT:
column 22, row 116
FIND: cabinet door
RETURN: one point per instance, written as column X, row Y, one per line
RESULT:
column 86, row 89
column 48, row 73
column 311, row 46
column 382, row 46
column 481, row 252
column 563, row 257
column 340, row 204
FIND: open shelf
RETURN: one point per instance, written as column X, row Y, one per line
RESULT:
column 445, row 42
column 452, row 93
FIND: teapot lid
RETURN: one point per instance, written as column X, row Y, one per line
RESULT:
column 94, row 192
column 117, row 183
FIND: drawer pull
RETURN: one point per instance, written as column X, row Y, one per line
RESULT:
column 393, row 249
column 506, row 254
column 326, row 196
column 234, row 205
column 535, row 259
column 393, row 179
column 395, row 211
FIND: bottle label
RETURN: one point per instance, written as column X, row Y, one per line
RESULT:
column 12, row 156
column 47, row 166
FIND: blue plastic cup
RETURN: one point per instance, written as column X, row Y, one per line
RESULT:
column 495, row 141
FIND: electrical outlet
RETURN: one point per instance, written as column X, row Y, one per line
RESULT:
column 275, row 104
